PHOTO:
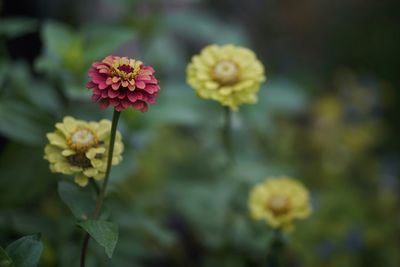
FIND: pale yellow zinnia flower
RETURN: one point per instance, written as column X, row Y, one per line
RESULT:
column 279, row 201
column 80, row 148
column 228, row 74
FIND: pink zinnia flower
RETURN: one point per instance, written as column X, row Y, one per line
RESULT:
column 123, row 82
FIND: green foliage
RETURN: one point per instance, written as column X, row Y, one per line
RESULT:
column 175, row 200
column 26, row 251
column 14, row 27
column 5, row 260
column 105, row 233
column 79, row 201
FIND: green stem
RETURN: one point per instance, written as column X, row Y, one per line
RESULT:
column 276, row 250
column 95, row 186
column 227, row 135
column 102, row 193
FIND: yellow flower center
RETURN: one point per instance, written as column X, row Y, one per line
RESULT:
column 279, row 205
column 82, row 139
column 226, row 72
column 126, row 69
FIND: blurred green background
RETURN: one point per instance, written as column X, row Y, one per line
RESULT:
column 327, row 115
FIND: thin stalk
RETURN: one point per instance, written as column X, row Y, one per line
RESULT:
column 95, row 186
column 101, row 195
column 276, row 250
column 227, row 135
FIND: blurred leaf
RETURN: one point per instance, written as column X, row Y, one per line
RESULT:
column 200, row 25
column 58, row 38
column 105, row 233
column 13, row 27
column 102, row 41
column 22, row 167
column 26, row 251
column 45, row 97
column 21, row 122
column 63, row 46
column 5, row 260
column 79, row 201
column 190, row 110
column 283, row 95
column 167, row 63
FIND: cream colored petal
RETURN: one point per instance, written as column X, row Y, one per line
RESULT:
column 57, row 140
column 90, row 172
column 70, row 124
column 68, row 152
column 81, row 180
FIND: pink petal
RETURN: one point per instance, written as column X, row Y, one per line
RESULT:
column 109, row 81
column 140, row 84
column 103, row 103
column 152, row 80
column 113, row 93
column 143, row 78
column 115, row 86
column 115, row 102
column 95, row 97
column 122, row 94
column 151, row 88
column 125, row 103
column 103, row 85
column 119, row 108
column 140, row 105
column 134, row 96
column 90, row 85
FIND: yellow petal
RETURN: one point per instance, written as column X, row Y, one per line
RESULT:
column 81, row 180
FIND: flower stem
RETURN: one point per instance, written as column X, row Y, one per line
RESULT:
column 276, row 249
column 102, row 193
column 227, row 135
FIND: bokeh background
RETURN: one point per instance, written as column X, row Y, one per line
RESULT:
column 327, row 115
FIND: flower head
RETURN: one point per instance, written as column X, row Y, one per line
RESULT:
column 123, row 82
column 228, row 74
column 80, row 148
column 279, row 201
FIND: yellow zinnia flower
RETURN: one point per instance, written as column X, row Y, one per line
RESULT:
column 279, row 201
column 228, row 74
column 80, row 148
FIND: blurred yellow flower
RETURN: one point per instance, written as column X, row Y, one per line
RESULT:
column 80, row 148
column 228, row 74
column 279, row 201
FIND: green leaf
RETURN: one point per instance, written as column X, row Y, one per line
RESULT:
column 97, row 47
column 21, row 122
column 105, row 233
column 58, row 38
column 5, row 260
column 62, row 45
column 26, row 251
column 13, row 27
column 22, row 167
column 79, row 201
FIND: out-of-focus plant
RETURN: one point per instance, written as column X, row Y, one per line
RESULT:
column 228, row 74
column 279, row 201
column 89, row 149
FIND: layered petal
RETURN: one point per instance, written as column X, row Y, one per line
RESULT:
column 122, row 83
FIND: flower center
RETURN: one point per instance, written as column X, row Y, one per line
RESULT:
column 82, row 139
column 279, row 205
column 125, row 68
column 79, row 159
column 226, row 72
